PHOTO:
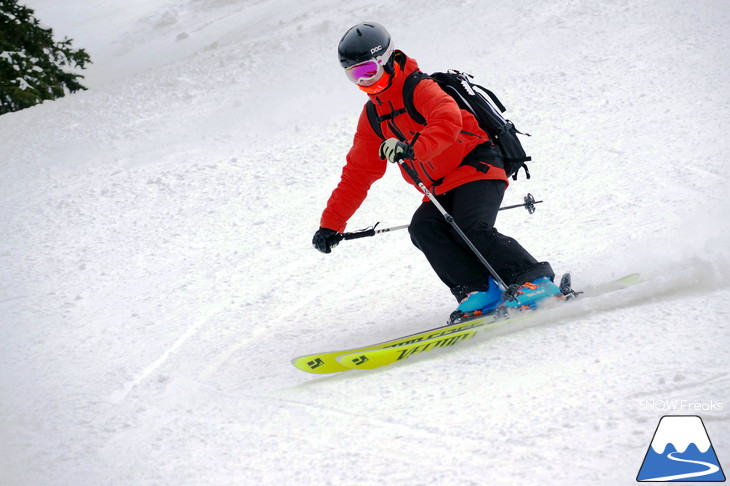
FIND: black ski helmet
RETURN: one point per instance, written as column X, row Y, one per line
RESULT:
column 364, row 41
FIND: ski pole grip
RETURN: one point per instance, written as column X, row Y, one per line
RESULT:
column 358, row 234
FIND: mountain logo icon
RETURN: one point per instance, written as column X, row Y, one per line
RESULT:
column 681, row 451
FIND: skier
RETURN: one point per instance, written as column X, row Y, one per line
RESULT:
column 456, row 161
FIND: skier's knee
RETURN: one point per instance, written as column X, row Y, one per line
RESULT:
column 419, row 228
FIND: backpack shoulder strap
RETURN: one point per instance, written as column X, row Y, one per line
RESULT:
column 409, row 87
column 373, row 118
column 492, row 96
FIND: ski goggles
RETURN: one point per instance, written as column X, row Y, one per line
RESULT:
column 365, row 73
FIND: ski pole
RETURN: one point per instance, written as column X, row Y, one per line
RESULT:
column 529, row 204
column 371, row 232
column 510, row 291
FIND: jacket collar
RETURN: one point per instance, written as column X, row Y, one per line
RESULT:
column 395, row 90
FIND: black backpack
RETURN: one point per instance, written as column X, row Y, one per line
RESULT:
column 459, row 86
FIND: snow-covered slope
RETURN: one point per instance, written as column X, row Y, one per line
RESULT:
column 157, row 274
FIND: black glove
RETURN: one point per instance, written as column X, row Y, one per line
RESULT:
column 395, row 150
column 326, row 239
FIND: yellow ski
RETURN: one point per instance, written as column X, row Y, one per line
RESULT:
column 324, row 363
column 400, row 348
column 375, row 358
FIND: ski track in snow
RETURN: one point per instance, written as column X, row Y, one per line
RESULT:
column 157, row 272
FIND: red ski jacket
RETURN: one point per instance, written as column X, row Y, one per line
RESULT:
column 449, row 135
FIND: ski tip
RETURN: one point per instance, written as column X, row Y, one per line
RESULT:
column 318, row 364
column 630, row 279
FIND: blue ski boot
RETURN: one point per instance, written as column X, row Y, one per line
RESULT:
column 531, row 294
column 478, row 303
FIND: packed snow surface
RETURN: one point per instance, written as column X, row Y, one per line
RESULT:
column 157, row 274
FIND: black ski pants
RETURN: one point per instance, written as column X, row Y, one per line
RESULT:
column 474, row 207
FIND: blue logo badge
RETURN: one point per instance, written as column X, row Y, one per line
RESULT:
column 681, row 451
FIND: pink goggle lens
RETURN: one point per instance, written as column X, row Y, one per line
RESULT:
column 363, row 71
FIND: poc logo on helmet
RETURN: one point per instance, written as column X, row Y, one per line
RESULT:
column 376, row 49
